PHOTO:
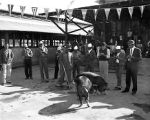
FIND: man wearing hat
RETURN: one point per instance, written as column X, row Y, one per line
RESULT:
column 58, row 52
column 43, row 62
column 6, row 58
column 76, row 57
column 27, row 54
column 65, row 61
column 120, row 61
column 133, row 56
column 90, row 57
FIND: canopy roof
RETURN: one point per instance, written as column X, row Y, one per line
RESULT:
column 20, row 24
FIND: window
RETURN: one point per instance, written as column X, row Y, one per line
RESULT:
column 17, row 42
column 11, row 43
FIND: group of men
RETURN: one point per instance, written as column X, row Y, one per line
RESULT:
column 7, row 56
column 68, row 62
column 71, row 61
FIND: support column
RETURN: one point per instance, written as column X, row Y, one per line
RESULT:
column 6, row 37
column 66, row 28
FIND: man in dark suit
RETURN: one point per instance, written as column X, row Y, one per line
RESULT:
column 133, row 56
column 90, row 58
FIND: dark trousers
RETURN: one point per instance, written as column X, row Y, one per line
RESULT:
column 119, row 71
column 44, row 68
column 131, row 74
column 28, row 68
column 56, row 69
column 76, row 69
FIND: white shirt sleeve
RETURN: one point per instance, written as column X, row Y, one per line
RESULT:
column 108, row 54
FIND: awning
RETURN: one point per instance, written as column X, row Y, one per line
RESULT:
column 8, row 23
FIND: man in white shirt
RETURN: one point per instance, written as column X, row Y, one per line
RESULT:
column 103, row 54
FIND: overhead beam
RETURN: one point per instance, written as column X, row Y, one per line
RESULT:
column 80, row 29
column 78, row 25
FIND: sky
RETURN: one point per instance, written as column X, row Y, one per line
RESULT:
column 41, row 4
column 51, row 4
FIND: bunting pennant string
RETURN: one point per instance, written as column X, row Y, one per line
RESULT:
column 119, row 12
column 142, row 9
column 58, row 12
column 70, row 11
column 130, row 11
column 46, row 10
column 84, row 13
column 10, row 8
column 22, row 9
column 34, row 10
column 107, row 10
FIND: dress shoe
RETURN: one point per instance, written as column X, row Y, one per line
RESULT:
column 8, row 82
column 117, row 88
column 125, row 91
column 133, row 92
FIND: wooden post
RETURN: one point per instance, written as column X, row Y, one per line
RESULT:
column 6, row 37
column 66, row 27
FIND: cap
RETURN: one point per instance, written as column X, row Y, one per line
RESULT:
column 41, row 42
column 118, row 47
column 59, row 48
column 131, row 42
column 60, row 45
column 75, row 47
column 25, row 45
column 89, row 45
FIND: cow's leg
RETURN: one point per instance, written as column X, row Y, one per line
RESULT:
column 87, row 100
column 81, row 101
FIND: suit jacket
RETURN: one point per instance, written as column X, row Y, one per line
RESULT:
column 6, row 56
column 90, row 57
column 136, row 57
column 65, row 59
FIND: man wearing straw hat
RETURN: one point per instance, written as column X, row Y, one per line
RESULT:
column 43, row 62
column 65, row 60
column 90, row 57
column 120, row 61
column 27, row 54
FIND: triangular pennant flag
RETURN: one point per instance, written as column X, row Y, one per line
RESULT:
column 10, row 8
column 107, row 10
column 130, row 11
column 119, row 12
column 142, row 9
column 46, row 10
column 84, row 13
column 22, row 9
column 70, row 11
column 34, row 10
column 95, row 11
column 58, row 12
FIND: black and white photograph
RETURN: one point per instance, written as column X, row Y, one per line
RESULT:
column 74, row 59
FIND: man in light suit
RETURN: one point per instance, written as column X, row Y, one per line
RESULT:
column 133, row 56
column 65, row 61
column 6, row 58
column 120, row 61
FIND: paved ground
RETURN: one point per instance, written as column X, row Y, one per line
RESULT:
column 31, row 100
